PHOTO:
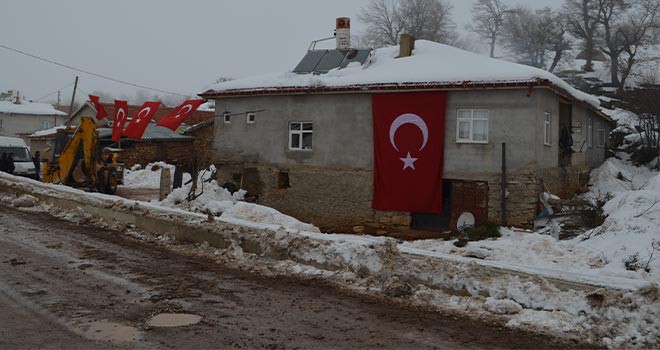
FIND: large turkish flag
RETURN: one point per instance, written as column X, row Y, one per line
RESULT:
column 141, row 119
column 409, row 136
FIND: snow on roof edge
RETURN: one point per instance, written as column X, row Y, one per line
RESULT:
column 428, row 66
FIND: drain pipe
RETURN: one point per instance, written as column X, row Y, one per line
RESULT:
column 504, row 189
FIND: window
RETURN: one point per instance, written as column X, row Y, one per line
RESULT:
column 251, row 118
column 45, row 124
column 547, row 130
column 472, row 125
column 227, row 117
column 0, row 123
column 601, row 134
column 590, row 133
column 300, row 135
column 282, row 180
column 577, row 128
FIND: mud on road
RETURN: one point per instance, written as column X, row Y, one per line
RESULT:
column 64, row 285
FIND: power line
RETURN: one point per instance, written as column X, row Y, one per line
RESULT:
column 90, row 73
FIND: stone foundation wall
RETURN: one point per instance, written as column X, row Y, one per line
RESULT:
column 339, row 199
column 333, row 199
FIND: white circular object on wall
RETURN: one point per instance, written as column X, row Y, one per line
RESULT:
column 465, row 220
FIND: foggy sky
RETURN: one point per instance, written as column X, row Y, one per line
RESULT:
column 179, row 46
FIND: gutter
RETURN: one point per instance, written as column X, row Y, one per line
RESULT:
column 396, row 87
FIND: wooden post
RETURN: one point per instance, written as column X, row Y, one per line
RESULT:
column 165, row 183
column 73, row 97
column 504, row 189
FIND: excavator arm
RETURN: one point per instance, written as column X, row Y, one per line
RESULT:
column 60, row 170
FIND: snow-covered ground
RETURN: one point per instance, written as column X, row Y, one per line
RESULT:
column 509, row 281
column 630, row 229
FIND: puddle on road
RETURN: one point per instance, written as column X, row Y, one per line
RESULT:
column 174, row 320
column 111, row 331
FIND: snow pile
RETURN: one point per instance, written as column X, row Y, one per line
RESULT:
column 212, row 199
column 526, row 249
column 149, row 177
column 29, row 108
column 266, row 215
column 633, row 216
column 430, row 63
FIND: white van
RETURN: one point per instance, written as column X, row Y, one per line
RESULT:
column 22, row 158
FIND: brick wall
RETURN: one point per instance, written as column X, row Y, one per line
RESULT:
column 149, row 152
column 203, row 146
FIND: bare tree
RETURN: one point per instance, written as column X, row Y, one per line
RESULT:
column 635, row 33
column 487, row 19
column 583, row 21
column 555, row 26
column 425, row 19
column 530, row 34
column 523, row 38
column 384, row 24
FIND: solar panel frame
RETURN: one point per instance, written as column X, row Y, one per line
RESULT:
column 310, row 61
column 330, row 61
column 322, row 61
column 361, row 56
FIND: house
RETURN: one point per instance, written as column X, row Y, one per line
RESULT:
column 304, row 143
column 19, row 117
column 157, row 144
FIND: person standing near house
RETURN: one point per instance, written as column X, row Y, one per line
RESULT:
column 3, row 162
column 37, row 165
column 10, row 164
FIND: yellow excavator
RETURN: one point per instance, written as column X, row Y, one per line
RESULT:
column 77, row 161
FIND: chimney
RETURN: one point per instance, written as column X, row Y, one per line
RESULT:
column 343, row 33
column 406, row 45
column 17, row 100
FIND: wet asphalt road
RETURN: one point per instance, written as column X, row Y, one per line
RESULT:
column 68, row 286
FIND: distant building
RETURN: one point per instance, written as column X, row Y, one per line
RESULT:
column 24, row 118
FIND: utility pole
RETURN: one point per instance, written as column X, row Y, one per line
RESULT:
column 73, row 97
column 59, row 93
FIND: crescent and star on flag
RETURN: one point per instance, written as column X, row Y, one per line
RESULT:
column 409, row 118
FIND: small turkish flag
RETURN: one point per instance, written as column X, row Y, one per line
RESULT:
column 409, row 136
column 138, row 124
column 121, row 109
column 181, row 113
column 100, row 111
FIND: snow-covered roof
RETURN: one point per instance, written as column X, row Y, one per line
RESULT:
column 32, row 108
column 49, row 132
column 432, row 65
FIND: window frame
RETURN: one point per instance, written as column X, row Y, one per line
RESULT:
column 601, row 129
column 547, row 129
column 254, row 118
column 226, row 117
column 471, row 120
column 590, row 132
column 300, row 132
column 45, row 124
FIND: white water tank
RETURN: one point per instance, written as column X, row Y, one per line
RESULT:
column 343, row 33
